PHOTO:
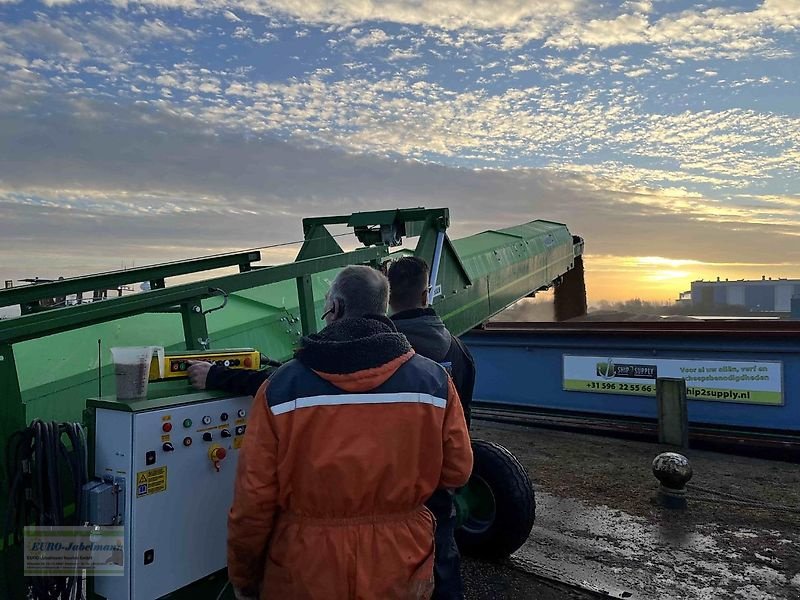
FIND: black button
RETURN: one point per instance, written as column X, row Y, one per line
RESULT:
column 207, row 436
column 226, row 433
column 149, row 556
column 168, row 447
column 240, row 430
column 150, row 457
column 223, row 417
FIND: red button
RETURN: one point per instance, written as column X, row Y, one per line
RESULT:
column 248, row 363
column 167, row 426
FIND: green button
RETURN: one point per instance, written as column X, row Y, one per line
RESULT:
column 187, row 422
column 182, row 366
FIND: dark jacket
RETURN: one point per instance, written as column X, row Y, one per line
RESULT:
column 237, row 381
column 429, row 337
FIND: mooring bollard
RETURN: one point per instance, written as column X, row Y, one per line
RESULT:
column 673, row 417
column 673, row 471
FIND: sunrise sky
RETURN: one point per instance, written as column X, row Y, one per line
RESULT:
column 665, row 132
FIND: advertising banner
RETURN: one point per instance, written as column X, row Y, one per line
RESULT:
column 749, row 382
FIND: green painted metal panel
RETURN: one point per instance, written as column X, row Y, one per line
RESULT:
column 504, row 265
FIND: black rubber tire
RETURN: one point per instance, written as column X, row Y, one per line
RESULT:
column 515, row 504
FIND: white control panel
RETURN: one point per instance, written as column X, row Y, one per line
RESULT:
column 178, row 463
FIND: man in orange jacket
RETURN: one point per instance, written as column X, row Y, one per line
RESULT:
column 345, row 444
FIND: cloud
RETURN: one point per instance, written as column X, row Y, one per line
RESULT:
column 375, row 37
column 622, row 30
column 717, row 32
column 146, row 179
column 43, row 38
column 693, row 33
column 637, row 72
column 112, row 120
column 496, row 119
column 66, row 43
column 522, row 20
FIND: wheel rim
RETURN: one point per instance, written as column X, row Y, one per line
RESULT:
column 481, row 508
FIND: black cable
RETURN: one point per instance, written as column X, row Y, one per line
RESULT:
column 39, row 460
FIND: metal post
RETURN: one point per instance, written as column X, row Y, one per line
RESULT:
column 12, row 418
column 795, row 307
column 673, row 417
column 305, row 299
column 434, row 289
column 195, row 330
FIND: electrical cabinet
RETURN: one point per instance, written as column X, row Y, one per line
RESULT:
column 173, row 462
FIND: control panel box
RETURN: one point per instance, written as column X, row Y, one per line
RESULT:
column 177, row 363
column 176, row 461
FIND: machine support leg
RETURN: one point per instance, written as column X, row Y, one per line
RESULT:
column 570, row 294
column 305, row 297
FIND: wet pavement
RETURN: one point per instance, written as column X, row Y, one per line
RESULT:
column 508, row 581
column 597, row 526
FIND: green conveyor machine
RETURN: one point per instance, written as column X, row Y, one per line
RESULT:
column 55, row 355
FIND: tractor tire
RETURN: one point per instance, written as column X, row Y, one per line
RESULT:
column 502, row 504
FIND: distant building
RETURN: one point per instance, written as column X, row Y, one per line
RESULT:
column 764, row 295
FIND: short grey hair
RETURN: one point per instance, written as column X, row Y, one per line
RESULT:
column 361, row 291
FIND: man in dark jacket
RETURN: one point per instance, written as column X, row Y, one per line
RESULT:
column 408, row 303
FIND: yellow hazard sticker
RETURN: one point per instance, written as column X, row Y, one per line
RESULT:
column 166, row 417
column 151, row 481
column 237, row 442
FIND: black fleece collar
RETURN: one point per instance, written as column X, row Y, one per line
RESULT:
column 350, row 345
column 414, row 313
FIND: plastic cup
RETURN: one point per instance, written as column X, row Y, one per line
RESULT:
column 132, row 368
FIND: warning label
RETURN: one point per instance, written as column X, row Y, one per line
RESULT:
column 151, row 482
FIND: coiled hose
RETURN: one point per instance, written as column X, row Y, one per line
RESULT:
column 46, row 468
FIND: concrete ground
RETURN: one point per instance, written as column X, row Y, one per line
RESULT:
column 598, row 528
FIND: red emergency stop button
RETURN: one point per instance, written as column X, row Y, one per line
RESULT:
column 167, row 427
column 248, row 362
column 217, row 454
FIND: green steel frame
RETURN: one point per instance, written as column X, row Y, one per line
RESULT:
column 472, row 279
column 28, row 296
